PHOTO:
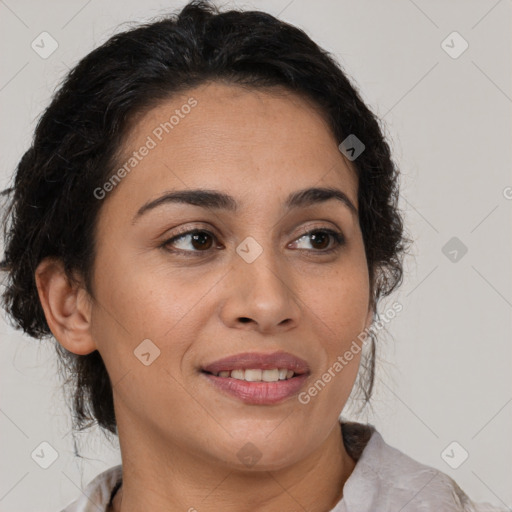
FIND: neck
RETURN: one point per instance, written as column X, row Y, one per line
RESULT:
column 314, row 484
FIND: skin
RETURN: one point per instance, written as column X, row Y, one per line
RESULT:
column 179, row 435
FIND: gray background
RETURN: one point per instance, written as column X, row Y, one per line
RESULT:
column 444, row 370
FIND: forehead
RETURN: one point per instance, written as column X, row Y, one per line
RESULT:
column 222, row 136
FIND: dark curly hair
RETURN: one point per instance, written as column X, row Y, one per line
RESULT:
column 52, row 211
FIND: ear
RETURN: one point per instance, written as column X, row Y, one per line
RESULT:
column 66, row 305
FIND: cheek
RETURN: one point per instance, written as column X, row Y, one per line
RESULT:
column 340, row 299
column 143, row 329
column 137, row 303
column 145, row 300
column 339, row 310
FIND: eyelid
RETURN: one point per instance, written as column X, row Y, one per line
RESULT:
column 183, row 230
column 319, row 225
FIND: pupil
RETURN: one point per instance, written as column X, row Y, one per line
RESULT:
column 314, row 238
column 200, row 236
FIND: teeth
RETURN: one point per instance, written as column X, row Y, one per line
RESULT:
column 253, row 375
column 238, row 374
column 258, row 375
column 269, row 375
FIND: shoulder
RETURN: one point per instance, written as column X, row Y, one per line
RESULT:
column 385, row 478
column 96, row 495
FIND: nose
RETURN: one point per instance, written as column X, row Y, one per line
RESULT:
column 260, row 296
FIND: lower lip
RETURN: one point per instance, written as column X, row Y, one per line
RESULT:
column 258, row 393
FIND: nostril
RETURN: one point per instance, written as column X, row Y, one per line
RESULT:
column 244, row 319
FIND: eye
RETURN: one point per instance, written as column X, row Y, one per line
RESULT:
column 320, row 238
column 199, row 240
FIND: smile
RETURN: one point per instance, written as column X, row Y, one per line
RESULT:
column 257, row 375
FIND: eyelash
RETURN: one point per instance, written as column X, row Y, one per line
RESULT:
column 339, row 241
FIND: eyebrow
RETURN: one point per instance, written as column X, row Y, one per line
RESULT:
column 221, row 201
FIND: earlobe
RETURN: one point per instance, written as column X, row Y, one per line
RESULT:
column 66, row 307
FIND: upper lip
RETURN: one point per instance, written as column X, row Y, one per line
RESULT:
column 258, row 360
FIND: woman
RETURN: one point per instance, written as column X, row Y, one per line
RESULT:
column 205, row 222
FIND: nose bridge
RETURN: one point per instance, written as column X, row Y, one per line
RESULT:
column 261, row 292
column 260, row 265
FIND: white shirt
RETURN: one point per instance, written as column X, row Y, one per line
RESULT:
column 383, row 480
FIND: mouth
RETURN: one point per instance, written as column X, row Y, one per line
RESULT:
column 256, row 378
column 253, row 366
column 256, row 374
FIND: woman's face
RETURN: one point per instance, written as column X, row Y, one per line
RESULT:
column 249, row 282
